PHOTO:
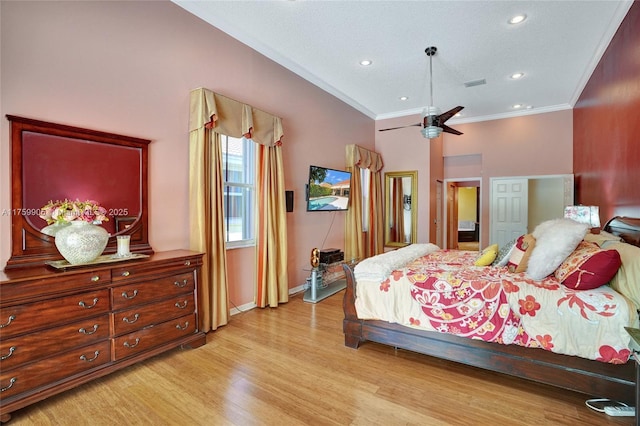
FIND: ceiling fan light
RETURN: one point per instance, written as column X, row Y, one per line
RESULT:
column 431, row 132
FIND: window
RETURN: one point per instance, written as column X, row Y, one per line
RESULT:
column 238, row 175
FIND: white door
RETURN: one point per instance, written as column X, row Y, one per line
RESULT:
column 509, row 206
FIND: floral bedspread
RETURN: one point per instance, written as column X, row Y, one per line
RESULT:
column 444, row 292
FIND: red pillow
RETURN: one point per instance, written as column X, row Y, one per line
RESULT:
column 588, row 267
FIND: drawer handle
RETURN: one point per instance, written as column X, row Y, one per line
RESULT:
column 181, row 285
column 132, row 345
column 125, row 274
column 84, row 305
column 187, row 263
column 126, row 295
column 186, row 324
column 128, row 321
column 85, row 331
column 95, row 356
column 11, row 382
column 179, row 306
column 11, row 318
column 95, row 278
column 11, row 350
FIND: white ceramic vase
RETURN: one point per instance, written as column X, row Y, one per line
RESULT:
column 81, row 242
column 52, row 230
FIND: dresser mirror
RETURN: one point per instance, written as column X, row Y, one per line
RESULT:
column 52, row 162
column 401, row 209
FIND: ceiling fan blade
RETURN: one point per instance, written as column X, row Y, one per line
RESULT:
column 401, row 127
column 447, row 115
column 448, row 129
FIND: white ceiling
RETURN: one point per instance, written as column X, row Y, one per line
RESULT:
column 557, row 47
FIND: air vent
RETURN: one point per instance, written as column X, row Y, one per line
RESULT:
column 475, row 83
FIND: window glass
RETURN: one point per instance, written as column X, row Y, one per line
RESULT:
column 238, row 172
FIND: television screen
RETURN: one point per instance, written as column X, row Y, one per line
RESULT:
column 328, row 189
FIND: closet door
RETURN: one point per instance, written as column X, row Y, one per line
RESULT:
column 509, row 207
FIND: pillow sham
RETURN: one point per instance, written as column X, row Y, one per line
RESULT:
column 521, row 252
column 588, row 267
column 504, row 253
column 487, row 256
column 602, row 238
column 627, row 280
column 555, row 240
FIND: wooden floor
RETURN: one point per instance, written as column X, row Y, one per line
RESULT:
column 288, row 366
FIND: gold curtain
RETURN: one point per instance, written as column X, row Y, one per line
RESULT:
column 207, row 225
column 359, row 245
column 212, row 114
column 273, row 282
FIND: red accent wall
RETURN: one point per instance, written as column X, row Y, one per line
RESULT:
column 606, row 127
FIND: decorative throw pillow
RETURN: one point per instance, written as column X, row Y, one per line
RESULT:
column 521, row 252
column 588, row 267
column 487, row 256
column 626, row 280
column 555, row 240
column 504, row 253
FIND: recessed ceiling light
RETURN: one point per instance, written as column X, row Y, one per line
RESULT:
column 404, row 98
column 458, row 115
column 529, row 106
column 517, row 75
column 518, row 19
column 517, row 106
column 366, row 62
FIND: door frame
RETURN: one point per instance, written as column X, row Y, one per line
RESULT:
column 445, row 212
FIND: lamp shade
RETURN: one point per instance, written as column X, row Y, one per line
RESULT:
column 430, row 129
column 584, row 214
column 431, row 132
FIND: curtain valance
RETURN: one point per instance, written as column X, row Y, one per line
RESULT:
column 232, row 118
column 358, row 156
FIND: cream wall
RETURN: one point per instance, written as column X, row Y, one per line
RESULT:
column 538, row 144
column 128, row 67
column 404, row 150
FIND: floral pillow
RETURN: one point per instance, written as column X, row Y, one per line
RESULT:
column 519, row 258
column 588, row 267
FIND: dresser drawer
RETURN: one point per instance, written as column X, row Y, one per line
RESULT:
column 144, row 270
column 145, row 315
column 33, row 346
column 53, row 286
column 150, row 337
column 50, row 370
column 133, row 294
column 39, row 315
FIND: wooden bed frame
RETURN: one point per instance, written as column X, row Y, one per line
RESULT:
column 594, row 378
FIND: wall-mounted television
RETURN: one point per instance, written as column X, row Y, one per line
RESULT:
column 328, row 189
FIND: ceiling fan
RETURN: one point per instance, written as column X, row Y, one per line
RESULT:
column 432, row 121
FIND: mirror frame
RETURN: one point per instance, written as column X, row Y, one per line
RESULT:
column 29, row 246
column 388, row 176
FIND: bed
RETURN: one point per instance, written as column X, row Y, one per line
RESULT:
column 611, row 376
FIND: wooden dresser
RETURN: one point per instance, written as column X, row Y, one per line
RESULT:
column 59, row 329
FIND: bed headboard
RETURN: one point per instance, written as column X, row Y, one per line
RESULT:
column 627, row 228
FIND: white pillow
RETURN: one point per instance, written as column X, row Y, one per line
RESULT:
column 555, row 240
